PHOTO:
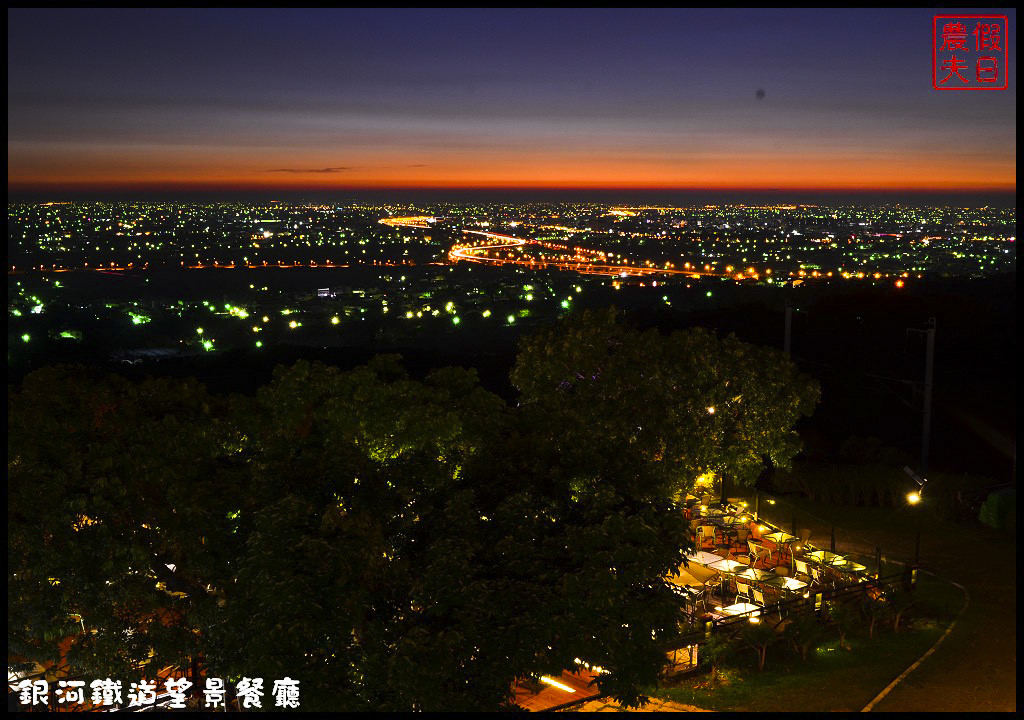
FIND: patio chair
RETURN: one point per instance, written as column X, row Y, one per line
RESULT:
column 712, row 587
column 759, row 600
column 697, row 598
column 758, row 551
column 802, row 568
column 782, row 571
column 743, row 591
column 705, row 533
column 818, row 576
column 742, row 535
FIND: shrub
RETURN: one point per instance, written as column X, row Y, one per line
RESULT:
column 717, row 652
column 898, row 602
column 873, row 610
column 803, row 633
column 844, row 617
column 758, row 636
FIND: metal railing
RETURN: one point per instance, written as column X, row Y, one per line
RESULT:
column 816, row 602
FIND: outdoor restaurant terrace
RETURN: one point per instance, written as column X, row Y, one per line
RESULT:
column 743, row 568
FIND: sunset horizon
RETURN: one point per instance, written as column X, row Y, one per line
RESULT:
column 210, row 101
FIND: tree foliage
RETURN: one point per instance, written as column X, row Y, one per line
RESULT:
column 804, row 632
column 681, row 405
column 844, row 616
column 718, row 652
column 393, row 543
column 758, row 636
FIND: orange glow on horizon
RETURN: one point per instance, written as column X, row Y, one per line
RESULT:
column 157, row 167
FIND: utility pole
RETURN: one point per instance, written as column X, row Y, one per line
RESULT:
column 929, row 373
column 926, row 420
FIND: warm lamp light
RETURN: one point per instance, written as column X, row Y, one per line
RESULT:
column 913, row 498
column 554, row 683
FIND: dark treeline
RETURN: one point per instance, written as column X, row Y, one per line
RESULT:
column 854, row 342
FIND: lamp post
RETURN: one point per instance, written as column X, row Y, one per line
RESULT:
column 914, row 498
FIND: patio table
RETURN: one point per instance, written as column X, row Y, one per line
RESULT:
column 687, row 590
column 757, row 574
column 780, row 538
column 702, row 557
column 785, row 583
column 727, row 566
column 824, row 557
column 849, row 566
column 739, row 609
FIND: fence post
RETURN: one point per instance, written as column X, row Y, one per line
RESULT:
column 878, row 562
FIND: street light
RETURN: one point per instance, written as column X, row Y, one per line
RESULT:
column 914, row 498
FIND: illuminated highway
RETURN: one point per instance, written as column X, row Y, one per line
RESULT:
column 582, row 260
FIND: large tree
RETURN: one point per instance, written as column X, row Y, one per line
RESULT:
column 116, row 497
column 666, row 408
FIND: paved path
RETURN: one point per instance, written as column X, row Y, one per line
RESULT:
column 975, row 668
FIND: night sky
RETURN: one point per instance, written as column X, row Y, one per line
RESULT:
column 297, row 100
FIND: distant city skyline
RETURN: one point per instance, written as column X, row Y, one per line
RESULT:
column 740, row 104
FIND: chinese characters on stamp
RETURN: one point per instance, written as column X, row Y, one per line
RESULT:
column 969, row 52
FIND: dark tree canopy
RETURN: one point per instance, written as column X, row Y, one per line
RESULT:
column 394, row 544
column 678, row 406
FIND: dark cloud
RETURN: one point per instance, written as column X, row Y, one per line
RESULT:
column 313, row 170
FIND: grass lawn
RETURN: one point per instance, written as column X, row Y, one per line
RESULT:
column 832, row 679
